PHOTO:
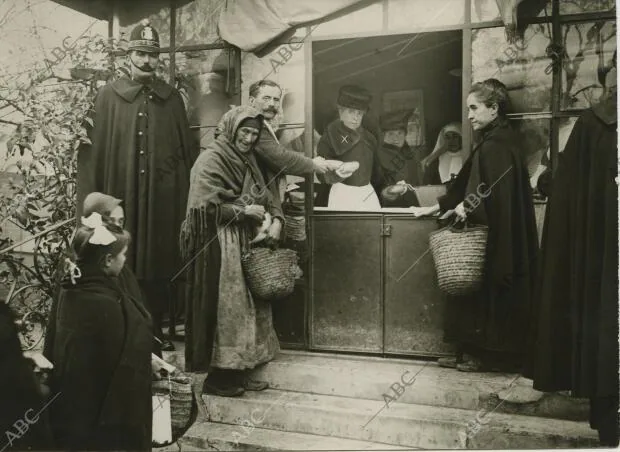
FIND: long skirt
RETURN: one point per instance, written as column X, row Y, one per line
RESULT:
column 226, row 327
column 489, row 324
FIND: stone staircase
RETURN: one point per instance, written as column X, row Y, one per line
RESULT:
column 340, row 402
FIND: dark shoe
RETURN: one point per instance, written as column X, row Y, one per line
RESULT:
column 471, row 365
column 222, row 390
column 254, row 385
column 167, row 346
column 450, row 362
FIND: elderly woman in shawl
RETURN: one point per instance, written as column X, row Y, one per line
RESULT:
column 445, row 162
column 228, row 331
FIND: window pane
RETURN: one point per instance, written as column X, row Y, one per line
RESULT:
column 196, row 22
column 406, row 15
column 163, row 69
column 202, row 78
column 585, row 6
column 589, row 47
column 522, row 67
column 158, row 12
column 486, row 10
column 534, row 135
column 365, row 20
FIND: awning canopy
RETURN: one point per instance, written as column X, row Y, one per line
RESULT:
column 252, row 25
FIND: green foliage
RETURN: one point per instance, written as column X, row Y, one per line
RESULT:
column 52, row 114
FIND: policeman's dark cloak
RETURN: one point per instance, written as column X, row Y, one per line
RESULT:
column 141, row 153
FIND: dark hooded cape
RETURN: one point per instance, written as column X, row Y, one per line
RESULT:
column 141, row 154
column 102, row 368
column 496, row 318
column 574, row 343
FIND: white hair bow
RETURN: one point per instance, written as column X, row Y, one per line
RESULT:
column 73, row 270
column 101, row 236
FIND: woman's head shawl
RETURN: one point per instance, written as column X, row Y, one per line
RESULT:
column 219, row 173
column 228, row 125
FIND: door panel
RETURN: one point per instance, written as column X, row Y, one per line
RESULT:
column 414, row 305
column 346, row 312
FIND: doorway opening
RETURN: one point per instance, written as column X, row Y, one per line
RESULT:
column 355, row 305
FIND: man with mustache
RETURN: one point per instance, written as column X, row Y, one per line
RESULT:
column 141, row 153
column 266, row 96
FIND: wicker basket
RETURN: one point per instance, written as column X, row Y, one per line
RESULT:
column 459, row 256
column 270, row 274
column 180, row 390
column 295, row 228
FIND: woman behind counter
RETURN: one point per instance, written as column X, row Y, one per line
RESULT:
column 490, row 326
column 347, row 140
column 228, row 332
column 447, row 159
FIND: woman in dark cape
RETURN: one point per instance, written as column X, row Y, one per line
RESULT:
column 490, row 326
column 574, row 343
column 101, row 353
column 111, row 211
column 228, row 332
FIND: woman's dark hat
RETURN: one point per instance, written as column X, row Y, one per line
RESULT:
column 395, row 120
column 352, row 96
column 144, row 37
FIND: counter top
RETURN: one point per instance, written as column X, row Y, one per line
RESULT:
column 382, row 211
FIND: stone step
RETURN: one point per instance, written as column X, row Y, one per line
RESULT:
column 205, row 436
column 401, row 424
column 381, row 378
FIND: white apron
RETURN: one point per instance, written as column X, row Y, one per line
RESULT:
column 349, row 197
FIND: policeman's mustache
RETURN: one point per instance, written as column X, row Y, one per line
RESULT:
column 146, row 68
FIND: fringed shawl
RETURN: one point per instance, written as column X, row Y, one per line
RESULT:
column 223, row 175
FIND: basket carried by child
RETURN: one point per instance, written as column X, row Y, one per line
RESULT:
column 459, row 256
column 179, row 388
column 270, row 274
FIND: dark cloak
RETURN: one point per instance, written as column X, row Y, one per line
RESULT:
column 223, row 181
column 141, row 127
column 575, row 340
column 20, row 394
column 102, row 368
column 495, row 318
